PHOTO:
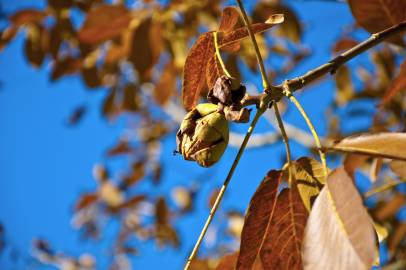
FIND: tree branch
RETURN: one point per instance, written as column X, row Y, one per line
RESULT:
column 332, row 66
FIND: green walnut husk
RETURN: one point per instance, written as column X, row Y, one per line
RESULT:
column 203, row 135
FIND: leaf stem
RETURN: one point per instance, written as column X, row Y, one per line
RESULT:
column 383, row 188
column 218, row 55
column 309, row 123
column 213, row 210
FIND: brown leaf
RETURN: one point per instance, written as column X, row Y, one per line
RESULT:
column 137, row 173
column 213, row 71
column 7, row 35
column 384, row 144
column 110, row 108
column 130, row 100
column 161, row 211
column 85, row 200
column 229, row 19
column 344, row 44
column 166, row 85
column 399, row 168
column 258, row 219
column 282, row 247
column 398, row 235
column 65, row 66
column 194, row 71
column 241, row 33
column 122, row 147
column 27, row 16
column 390, row 208
column 132, row 201
column 339, row 232
column 146, row 47
column 104, row 22
column 397, row 85
column 377, row 15
column 290, row 29
column 34, row 46
column 228, row 262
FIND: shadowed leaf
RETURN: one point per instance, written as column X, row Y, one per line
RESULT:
column 344, row 44
column 390, row 208
column 399, row 168
column 282, row 247
column 27, row 16
column 339, row 232
column 166, row 85
column 259, row 215
column 377, row 15
column 194, row 71
column 309, row 176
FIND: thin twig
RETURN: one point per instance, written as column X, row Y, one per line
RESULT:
column 334, row 64
column 265, row 81
column 383, row 188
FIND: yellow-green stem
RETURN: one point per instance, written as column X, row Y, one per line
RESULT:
column 309, row 123
column 218, row 55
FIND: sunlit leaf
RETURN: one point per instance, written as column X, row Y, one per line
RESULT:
column 241, row 33
column 111, row 195
column 77, row 115
column 213, row 71
column 377, row 15
column 339, row 232
column 104, row 22
column 194, row 71
column 290, row 29
column 384, row 144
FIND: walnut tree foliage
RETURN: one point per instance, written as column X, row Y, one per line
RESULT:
column 187, row 59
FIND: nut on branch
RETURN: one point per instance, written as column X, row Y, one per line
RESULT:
column 203, row 135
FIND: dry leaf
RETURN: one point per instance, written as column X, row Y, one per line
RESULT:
column 166, row 85
column 194, row 71
column 241, row 33
column 213, row 71
column 344, row 85
column 229, row 19
column 103, row 23
column 339, row 232
column 27, row 16
column 259, row 215
column 384, row 144
column 397, row 85
column 377, row 15
column 344, row 44
column 86, row 200
column 398, row 167
column 390, row 208
column 290, row 29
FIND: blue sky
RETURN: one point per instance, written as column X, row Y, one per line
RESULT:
column 45, row 164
